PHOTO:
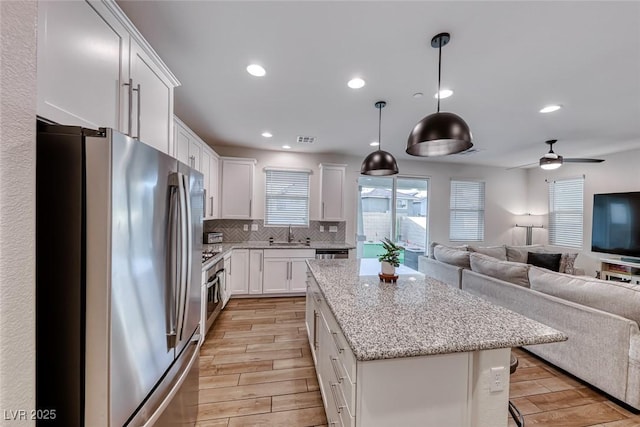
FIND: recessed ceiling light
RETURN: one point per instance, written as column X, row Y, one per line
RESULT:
column 374, row 143
column 286, row 147
column 267, row 134
column 444, row 93
column 550, row 108
column 256, row 70
column 356, row 83
column 418, row 95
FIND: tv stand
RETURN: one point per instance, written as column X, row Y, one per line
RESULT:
column 620, row 271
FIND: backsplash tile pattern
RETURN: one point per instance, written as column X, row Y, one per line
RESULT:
column 232, row 230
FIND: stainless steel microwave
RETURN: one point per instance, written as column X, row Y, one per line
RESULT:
column 212, row 237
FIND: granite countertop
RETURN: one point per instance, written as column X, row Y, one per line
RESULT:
column 224, row 248
column 418, row 316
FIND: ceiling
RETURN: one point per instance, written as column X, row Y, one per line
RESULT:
column 505, row 61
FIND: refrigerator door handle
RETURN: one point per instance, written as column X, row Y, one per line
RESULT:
column 189, row 256
column 175, row 253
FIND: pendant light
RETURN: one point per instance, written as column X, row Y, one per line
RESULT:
column 439, row 134
column 379, row 162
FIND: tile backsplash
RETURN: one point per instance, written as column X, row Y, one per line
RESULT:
column 233, row 231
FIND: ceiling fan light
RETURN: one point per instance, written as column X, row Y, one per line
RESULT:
column 548, row 163
column 379, row 163
column 439, row 134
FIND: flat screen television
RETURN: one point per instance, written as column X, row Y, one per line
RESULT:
column 616, row 224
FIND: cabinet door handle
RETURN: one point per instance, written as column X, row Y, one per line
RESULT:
column 335, row 397
column 261, row 262
column 211, row 200
column 130, row 93
column 204, row 203
column 322, row 210
column 315, row 329
column 137, row 89
column 250, row 207
column 335, row 369
column 335, row 340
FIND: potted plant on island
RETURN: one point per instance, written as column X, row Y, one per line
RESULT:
column 390, row 259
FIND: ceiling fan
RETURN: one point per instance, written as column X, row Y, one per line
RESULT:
column 551, row 160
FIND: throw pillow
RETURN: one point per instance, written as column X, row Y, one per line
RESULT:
column 434, row 244
column 499, row 252
column 512, row 272
column 567, row 262
column 548, row 261
column 452, row 256
column 519, row 253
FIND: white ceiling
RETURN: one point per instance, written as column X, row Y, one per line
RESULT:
column 506, row 60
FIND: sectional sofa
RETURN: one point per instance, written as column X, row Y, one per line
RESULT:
column 600, row 317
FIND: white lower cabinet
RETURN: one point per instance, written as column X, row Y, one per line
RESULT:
column 226, row 291
column 285, row 270
column 256, row 267
column 239, row 271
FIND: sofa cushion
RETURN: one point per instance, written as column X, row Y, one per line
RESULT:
column 548, row 261
column 519, row 253
column 512, row 272
column 618, row 298
column 434, row 244
column 567, row 263
column 499, row 252
column 452, row 256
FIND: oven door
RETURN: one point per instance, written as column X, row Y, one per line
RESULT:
column 214, row 301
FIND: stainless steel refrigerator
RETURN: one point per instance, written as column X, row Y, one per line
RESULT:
column 118, row 256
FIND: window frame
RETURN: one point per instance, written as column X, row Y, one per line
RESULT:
column 307, row 172
column 558, row 229
column 479, row 232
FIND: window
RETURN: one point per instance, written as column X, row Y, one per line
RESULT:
column 566, row 201
column 287, row 197
column 466, row 215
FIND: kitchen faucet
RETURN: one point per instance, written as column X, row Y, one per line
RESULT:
column 290, row 235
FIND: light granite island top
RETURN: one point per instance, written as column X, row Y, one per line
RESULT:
column 418, row 316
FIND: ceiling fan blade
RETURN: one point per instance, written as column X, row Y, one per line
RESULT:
column 583, row 160
column 522, row 166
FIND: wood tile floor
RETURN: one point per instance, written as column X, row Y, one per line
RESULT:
column 256, row 370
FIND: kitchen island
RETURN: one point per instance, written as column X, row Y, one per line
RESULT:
column 412, row 353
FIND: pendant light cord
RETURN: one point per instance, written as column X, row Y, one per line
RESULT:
column 439, row 69
column 380, row 128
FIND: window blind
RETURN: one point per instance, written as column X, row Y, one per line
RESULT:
column 566, row 202
column 287, row 197
column 466, row 211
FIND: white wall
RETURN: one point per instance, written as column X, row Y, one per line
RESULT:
column 506, row 191
column 619, row 173
column 17, row 203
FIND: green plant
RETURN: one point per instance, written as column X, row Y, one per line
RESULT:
column 391, row 254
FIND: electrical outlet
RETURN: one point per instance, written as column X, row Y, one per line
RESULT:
column 245, row 227
column 254, row 227
column 333, row 229
column 497, row 380
column 322, row 228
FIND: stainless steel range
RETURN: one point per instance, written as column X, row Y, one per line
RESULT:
column 215, row 282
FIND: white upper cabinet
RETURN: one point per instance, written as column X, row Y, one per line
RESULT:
column 213, row 192
column 152, row 96
column 80, row 49
column 332, row 179
column 96, row 70
column 237, row 188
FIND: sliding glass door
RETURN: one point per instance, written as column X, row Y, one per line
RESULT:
column 396, row 208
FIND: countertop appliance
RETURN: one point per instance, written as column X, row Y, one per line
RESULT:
column 332, row 253
column 212, row 237
column 118, row 288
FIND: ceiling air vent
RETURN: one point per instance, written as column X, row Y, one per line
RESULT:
column 306, row 139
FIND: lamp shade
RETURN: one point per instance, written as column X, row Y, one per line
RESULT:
column 379, row 163
column 529, row 220
column 439, row 134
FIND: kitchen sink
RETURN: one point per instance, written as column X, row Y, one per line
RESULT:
column 300, row 244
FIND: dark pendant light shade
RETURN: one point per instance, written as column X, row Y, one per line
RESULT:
column 439, row 134
column 379, row 163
